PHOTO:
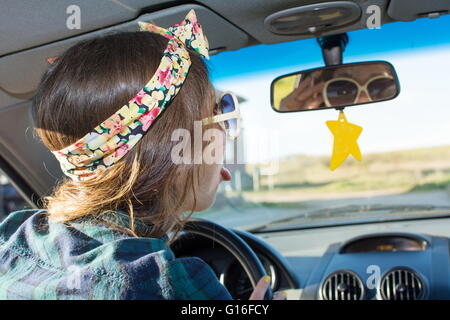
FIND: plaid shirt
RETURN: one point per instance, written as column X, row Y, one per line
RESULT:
column 41, row 259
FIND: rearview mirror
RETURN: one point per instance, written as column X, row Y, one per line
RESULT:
column 335, row 86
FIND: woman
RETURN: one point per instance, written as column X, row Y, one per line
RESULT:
column 104, row 233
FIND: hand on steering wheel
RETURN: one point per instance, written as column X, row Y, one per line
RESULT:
column 241, row 251
column 261, row 288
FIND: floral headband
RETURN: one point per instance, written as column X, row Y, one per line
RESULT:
column 114, row 137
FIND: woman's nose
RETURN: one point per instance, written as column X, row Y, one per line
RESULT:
column 363, row 98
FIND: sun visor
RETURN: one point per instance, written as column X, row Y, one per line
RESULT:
column 20, row 73
column 408, row 10
column 28, row 24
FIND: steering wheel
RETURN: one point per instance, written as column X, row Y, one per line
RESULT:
column 234, row 244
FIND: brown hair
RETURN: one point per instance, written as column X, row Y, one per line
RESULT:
column 90, row 82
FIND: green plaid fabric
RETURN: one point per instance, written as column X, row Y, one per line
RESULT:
column 41, row 259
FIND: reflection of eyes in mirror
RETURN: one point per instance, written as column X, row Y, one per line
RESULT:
column 347, row 91
column 342, row 85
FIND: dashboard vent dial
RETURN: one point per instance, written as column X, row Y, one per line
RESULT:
column 401, row 284
column 342, row 285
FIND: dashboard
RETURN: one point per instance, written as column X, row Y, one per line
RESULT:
column 390, row 266
column 386, row 265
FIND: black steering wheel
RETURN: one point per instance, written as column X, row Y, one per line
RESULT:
column 234, row 244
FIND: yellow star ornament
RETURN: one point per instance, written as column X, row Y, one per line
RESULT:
column 345, row 136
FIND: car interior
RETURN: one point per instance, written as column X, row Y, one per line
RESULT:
column 395, row 253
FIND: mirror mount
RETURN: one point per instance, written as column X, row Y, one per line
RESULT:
column 333, row 48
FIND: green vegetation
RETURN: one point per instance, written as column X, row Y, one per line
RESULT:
column 423, row 169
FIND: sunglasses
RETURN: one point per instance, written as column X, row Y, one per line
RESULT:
column 227, row 114
column 346, row 91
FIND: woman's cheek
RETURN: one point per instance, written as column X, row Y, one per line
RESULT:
column 208, row 184
column 210, row 171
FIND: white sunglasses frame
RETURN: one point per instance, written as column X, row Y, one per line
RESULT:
column 220, row 118
column 360, row 87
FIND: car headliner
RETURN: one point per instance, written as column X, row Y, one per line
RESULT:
column 35, row 30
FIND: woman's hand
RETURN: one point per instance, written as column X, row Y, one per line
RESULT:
column 261, row 288
column 306, row 97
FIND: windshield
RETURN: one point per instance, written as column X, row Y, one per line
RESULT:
column 280, row 163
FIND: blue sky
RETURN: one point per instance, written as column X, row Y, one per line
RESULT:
column 398, row 36
column 419, row 117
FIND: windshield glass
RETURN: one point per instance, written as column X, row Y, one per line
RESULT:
column 280, row 163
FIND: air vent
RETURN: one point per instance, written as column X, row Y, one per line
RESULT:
column 342, row 285
column 402, row 284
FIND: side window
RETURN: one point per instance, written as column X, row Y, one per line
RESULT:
column 10, row 199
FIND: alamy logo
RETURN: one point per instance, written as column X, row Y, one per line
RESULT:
column 189, row 149
column 373, row 281
column 73, row 21
column 374, row 17
column 74, row 278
